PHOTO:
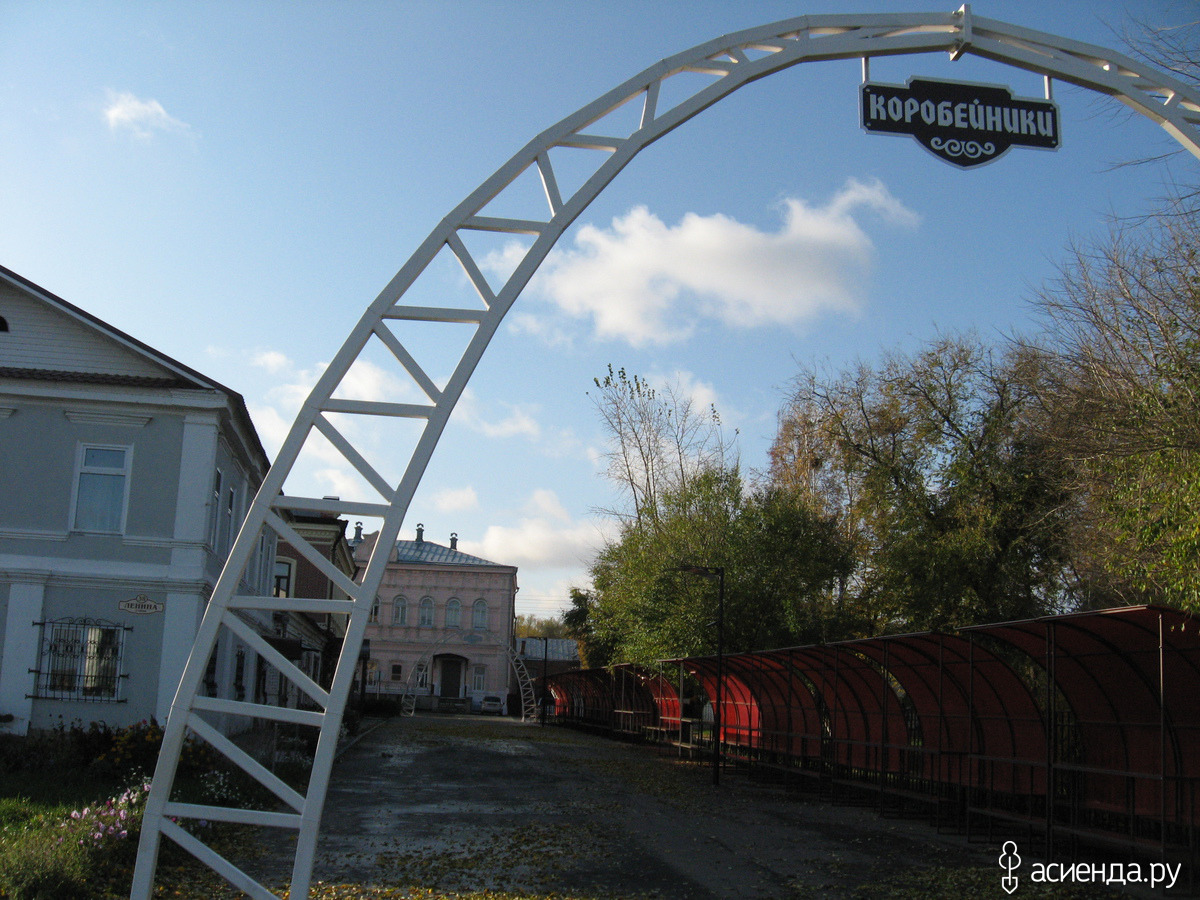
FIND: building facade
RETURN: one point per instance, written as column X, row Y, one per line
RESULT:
column 441, row 628
column 125, row 476
column 313, row 641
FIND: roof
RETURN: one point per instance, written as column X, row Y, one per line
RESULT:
column 93, row 378
column 131, row 343
column 429, row 553
column 181, row 375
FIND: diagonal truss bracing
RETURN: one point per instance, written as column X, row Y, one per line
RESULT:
column 728, row 63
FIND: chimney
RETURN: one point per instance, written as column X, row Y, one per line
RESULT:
column 454, row 540
column 420, row 534
column 357, row 533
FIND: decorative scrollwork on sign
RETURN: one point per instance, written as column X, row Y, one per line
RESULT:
column 969, row 149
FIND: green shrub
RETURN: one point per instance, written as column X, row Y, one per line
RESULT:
column 134, row 749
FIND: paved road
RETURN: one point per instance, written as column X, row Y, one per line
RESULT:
column 466, row 803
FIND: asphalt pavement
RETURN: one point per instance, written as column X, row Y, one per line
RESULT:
column 472, row 803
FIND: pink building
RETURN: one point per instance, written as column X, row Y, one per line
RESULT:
column 441, row 627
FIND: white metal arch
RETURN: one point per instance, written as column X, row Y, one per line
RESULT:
column 730, row 62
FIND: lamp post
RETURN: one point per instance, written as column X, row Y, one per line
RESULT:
column 717, row 572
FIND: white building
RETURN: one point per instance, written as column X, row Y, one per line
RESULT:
column 124, row 476
column 441, row 626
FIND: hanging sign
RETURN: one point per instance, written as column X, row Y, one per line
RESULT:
column 964, row 124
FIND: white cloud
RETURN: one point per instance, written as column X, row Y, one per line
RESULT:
column 520, row 420
column 455, row 499
column 283, row 388
column 646, row 282
column 272, row 360
column 541, row 327
column 338, row 482
column 363, row 381
column 545, row 539
column 545, row 503
column 139, row 117
column 683, row 384
column 271, row 426
column 538, row 543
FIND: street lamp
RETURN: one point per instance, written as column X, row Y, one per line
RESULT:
column 717, row 572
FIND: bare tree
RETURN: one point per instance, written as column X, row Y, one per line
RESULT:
column 657, row 441
column 1120, row 352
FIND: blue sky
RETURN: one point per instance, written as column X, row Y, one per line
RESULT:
column 233, row 183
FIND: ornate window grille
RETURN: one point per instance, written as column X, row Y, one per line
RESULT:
column 80, row 659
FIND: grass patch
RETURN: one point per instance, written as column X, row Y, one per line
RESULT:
column 71, row 805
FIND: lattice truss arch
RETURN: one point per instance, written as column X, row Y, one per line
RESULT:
column 729, row 63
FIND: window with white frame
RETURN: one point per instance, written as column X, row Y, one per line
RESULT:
column 102, row 488
column 80, row 659
column 422, row 675
column 397, row 672
column 454, row 613
column 258, row 569
column 479, row 678
column 479, row 614
column 373, row 618
column 426, row 619
column 214, row 514
column 400, row 610
column 229, row 518
column 283, row 577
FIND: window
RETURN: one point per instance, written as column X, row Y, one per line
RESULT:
column 283, row 578
column 228, row 518
column 373, row 618
column 210, row 674
column 478, row 678
column 453, row 614
column 426, row 619
column 422, row 673
column 239, row 675
column 479, row 616
column 397, row 672
column 262, row 566
column 80, row 659
column 400, row 611
column 214, row 515
column 102, row 488
column 310, row 665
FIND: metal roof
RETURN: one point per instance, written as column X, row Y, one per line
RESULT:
column 432, row 554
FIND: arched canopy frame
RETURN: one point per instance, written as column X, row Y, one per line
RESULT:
column 730, row 62
column 1088, row 720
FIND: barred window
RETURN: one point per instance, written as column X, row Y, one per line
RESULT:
column 81, row 660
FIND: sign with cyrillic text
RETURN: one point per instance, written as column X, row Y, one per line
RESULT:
column 964, row 124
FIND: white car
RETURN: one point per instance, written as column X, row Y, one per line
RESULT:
column 491, row 704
